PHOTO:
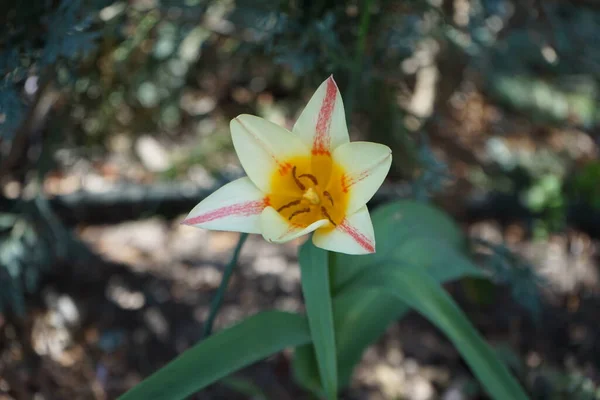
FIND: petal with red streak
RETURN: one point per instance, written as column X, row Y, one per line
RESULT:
column 234, row 207
column 322, row 123
column 353, row 236
column 365, row 166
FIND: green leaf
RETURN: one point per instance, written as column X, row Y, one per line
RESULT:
column 361, row 317
column 314, row 268
column 408, row 234
column 421, row 292
column 395, row 225
column 305, row 370
column 223, row 353
column 244, row 386
column 404, row 219
column 437, row 258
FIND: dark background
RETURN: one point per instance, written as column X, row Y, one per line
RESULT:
column 114, row 123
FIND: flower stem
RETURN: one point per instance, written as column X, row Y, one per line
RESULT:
column 361, row 42
column 218, row 298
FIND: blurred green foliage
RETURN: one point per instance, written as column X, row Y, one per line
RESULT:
column 32, row 240
column 507, row 268
column 128, row 66
column 553, row 384
column 584, row 186
column 38, row 37
column 142, row 66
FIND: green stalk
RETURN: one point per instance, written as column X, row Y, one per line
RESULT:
column 218, row 299
column 361, row 42
column 314, row 268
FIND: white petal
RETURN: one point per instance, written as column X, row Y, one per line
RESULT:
column 365, row 166
column 234, row 207
column 263, row 147
column 322, row 123
column 353, row 236
column 277, row 229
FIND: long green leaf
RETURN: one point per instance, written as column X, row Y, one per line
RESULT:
column 396, row 224
column 305, row 369
column 233, row 348
column 314, row 268
column 244, row 386
column 420, row 291
column 360, row 318
column 406, row 232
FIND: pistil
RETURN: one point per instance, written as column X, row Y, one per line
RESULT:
column 312, row 196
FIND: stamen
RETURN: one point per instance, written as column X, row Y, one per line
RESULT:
column 300, row 185
column 290, row 204
column 304, row 210
column 325, row 213
column 311, row 177
column 326, row 194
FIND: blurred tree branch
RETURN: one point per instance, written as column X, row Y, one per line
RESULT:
column 15, row 154
column 171, row 200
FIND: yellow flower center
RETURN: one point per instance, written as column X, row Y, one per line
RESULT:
column 308, row 189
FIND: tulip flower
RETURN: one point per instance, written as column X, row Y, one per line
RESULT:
column 312, row 179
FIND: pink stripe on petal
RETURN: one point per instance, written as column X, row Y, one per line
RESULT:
column 245, row 209
column 349, row 180
column 322, row 141
column 358, row 237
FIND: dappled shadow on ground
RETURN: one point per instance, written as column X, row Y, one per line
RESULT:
column 98, row 329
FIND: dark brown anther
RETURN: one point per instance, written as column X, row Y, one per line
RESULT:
column 290, row 204
column 311, row 177
column 326, row 214
column 328, row 195
column 300, row 185
column 304, row 210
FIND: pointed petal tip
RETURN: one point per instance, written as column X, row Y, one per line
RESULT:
column 240, row 119
column 369, row 249
column 189, row 221
column 237, row 120
column 330, row 79
column 186, row 222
